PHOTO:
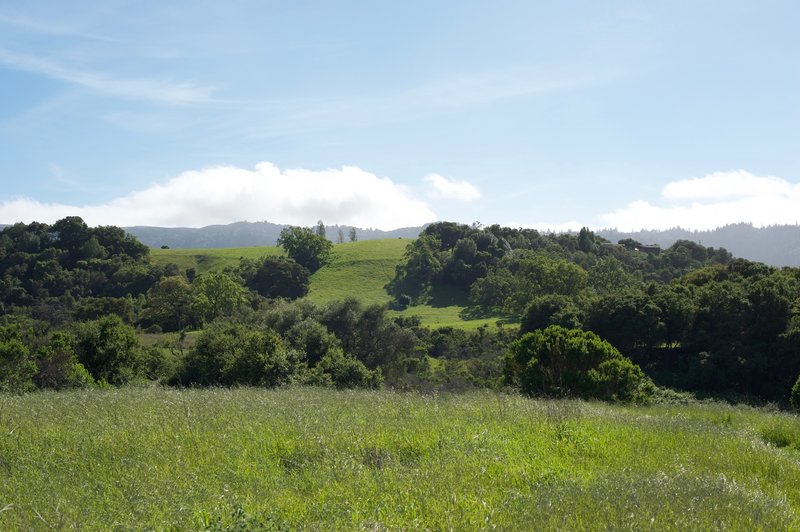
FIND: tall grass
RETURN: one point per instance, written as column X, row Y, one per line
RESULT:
column 316, row 458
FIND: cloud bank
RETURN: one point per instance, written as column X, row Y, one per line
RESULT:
column 225, row 194
column 446, row 188
column 713, row 201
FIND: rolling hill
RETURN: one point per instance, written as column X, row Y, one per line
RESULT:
column 777, row 245
column 358, row 269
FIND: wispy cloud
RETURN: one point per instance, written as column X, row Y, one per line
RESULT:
column 425, row 99
column 499, row 84
column 143, row 89
column 346, row 196
column 25, row 23
column 712, row 201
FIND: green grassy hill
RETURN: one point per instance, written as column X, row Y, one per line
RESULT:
column 294, row 458
column 357, row 269
column 205, row 260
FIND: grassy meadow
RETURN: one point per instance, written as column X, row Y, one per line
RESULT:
column 357, row 269
column 140, row 458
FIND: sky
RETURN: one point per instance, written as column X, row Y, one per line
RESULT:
column 553, row 115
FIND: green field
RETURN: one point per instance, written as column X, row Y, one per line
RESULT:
column 323, row 459
column 212, row 259
column 357, row 269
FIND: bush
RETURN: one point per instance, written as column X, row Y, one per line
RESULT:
column 348, row 372
column 16, row 367
column 58, row 365
column 794, row 399
column 274, row 277
column 570, row 362
column 551, row 309
column 110, row 350
column 232, row 354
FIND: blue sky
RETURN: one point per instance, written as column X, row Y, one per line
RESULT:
column 384, row 114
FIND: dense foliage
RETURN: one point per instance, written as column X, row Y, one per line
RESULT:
column 692, row 317
column 75, row 303
column 559, row 362
column 308, row 247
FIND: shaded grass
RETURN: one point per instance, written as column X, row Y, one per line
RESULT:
column 315, row 458
column 451, row 316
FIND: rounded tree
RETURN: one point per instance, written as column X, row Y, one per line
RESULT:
column 310, row 249
column 559, row 362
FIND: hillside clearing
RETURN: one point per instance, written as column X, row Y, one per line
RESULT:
column 357, row 269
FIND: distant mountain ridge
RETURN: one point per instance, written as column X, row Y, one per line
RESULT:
column 776, row 245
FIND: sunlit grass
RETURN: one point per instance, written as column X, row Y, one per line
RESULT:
column 322, row 459
column 357, row 269
column 212, row 259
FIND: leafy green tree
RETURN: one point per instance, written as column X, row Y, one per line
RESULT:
column 352, row 235
column 274, row 277
column 558, row 362
column 348, row 372
column 609, row 274
column 549, row 310
column 216, row 294
column 170, row 304
column 71, row 233
column 58, row 366
column 627, row 319
column 230, row 354
column 17, row 368
column 496, row 290
column 313, row 340
column 308, row 248
column 794, row 399
column 676, row 310
column 586, row 240
column 110, row 350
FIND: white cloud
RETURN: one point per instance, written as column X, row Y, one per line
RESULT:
column 225, row 194
column 712, row 201
column 446, row 188
column 726, row 185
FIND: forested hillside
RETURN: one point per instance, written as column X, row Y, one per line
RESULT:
column 693, row 317
column 777, row 245
column 623, row 321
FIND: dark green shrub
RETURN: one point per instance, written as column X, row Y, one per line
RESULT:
column 794, row 399
column 312, row 339
column 551, row 309
column 570, row 362
column 110, row 350
column 16, row 367
column 58, row 366
column 230, row 354
column 348, row 372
